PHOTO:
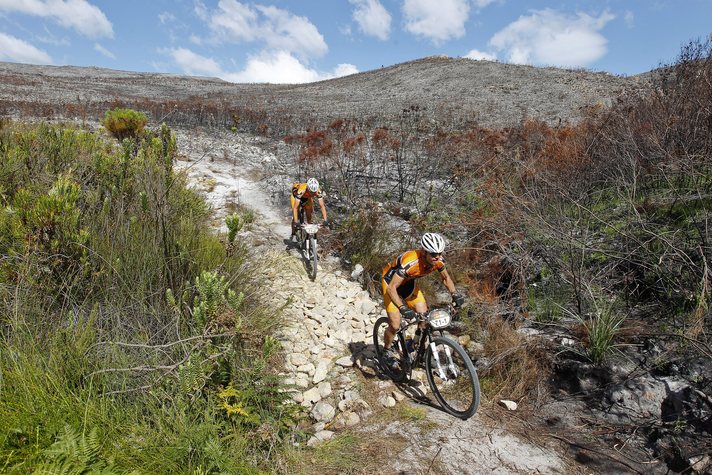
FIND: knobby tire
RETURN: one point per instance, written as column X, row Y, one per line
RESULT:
column 459, row 396
column 312, row 257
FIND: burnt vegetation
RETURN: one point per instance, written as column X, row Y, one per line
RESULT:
column 598, row 227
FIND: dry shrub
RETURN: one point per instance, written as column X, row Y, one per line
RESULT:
column 517, row 365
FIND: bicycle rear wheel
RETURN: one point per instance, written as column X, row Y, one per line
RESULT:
column 452, row 377
column 397, row 369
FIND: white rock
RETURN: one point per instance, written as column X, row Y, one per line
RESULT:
column 324, row 435
column 510, row 405
column 321, row 371
column 324, row 389
column 307, row 368
column 320, row 437
column 345, row 362
column 387, row 401
column 352, row 419
column 323, row 411
column 298, row 359
column 367, row 306
column 358, row 269
column 312, row 396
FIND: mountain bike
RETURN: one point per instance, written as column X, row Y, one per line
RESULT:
column 448, row 367
column 307, row 237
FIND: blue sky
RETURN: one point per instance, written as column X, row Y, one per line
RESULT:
column 295, row 41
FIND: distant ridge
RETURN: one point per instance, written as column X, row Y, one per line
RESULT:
column 492, row 94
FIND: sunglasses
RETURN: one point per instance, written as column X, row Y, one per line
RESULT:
column 435, row 256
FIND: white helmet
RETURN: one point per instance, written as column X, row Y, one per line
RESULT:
column 313, row 185
column 433, row 243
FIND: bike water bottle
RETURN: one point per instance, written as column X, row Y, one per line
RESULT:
column 409, row 344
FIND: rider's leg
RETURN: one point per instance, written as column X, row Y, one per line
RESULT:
column 418, row 303
column 394, row 320
column 394, row 316
column 293, row 202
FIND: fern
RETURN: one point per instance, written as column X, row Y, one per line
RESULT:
column 75, row 454
column 192, row 375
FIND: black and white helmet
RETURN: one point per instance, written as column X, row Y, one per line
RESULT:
column 313, row 184
column 433, row 243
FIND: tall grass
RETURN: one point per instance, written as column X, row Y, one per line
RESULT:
column 123, row 318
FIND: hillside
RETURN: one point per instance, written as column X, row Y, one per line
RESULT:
column 582, row 246
column 490, row 93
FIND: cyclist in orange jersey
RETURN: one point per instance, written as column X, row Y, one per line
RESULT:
column 401, row 294
column 303, row 194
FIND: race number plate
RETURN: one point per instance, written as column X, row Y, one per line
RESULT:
column 439, row 319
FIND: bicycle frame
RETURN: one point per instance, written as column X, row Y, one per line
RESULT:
column 422, row 347
column 422, row 343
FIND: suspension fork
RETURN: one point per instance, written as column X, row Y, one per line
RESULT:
column 450, row 364
column 436, row 357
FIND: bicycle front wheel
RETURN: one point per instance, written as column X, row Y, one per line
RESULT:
column 312, row 257
column 452, row 377
column 395, row 367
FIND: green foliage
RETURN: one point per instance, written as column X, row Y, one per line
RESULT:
column 601, row 328
column 124, row 123
column 105, row 244
column 234, row 224
column 368, row 240
column 544, row 308
column 213, row 293
column 75, row 453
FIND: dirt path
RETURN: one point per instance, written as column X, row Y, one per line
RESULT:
column 328, row 356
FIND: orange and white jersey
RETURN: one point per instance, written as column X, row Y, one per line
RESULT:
column 411, row 265
column 303, row 193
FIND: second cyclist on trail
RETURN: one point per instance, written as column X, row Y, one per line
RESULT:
column 303, row 195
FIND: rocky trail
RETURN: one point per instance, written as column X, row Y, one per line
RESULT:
column 328, row 354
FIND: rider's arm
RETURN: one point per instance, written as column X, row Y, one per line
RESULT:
column 447, row 280
column 392, row 290
column 323, row 208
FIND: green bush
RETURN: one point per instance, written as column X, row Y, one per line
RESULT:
column 234, row 224
column 117, row 333
column 124, row 123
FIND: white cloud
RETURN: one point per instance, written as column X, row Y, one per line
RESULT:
column 16, row 50
column 629, row 18
column 479, row 55
column 548, row 37
column 438, row 21
column 194, row 64
column 345, row 69
column 372, row 18
column 276, row 67
column 479, row 4
column 104, row 51
column 80, row 15
column 280, row 67
column 166, row 17
column 278, row 29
